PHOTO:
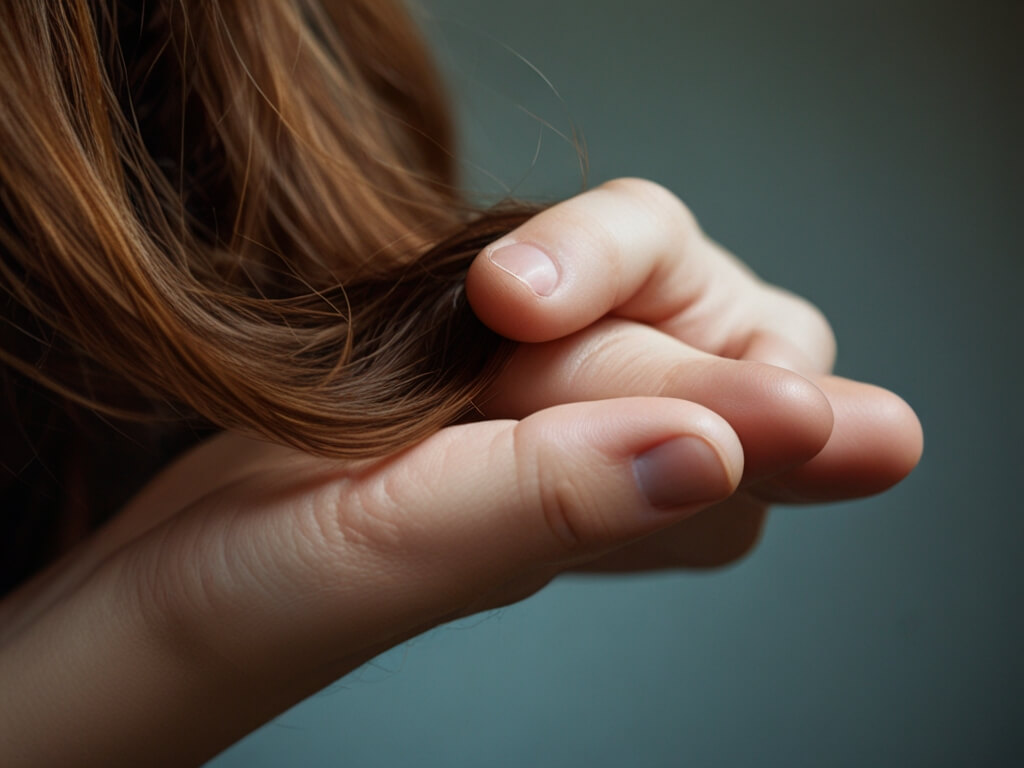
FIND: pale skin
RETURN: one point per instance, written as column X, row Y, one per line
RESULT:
column 247, row 576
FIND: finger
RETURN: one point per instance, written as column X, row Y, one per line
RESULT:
column 632, row 249
column 560, row 486
column 876, row 442
column 782, row 419
column 628, row 245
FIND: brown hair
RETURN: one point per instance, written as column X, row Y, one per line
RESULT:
column 242, row 211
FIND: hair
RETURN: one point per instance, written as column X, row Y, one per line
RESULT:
column 228, row 214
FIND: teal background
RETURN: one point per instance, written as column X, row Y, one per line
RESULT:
column 867, row 155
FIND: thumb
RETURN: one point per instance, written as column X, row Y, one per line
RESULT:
column 482, row 504
column 395, row 547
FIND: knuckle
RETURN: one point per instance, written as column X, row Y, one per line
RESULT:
column 363, row 517
column 659, row 200
column 669, row 380
column 590, row 230
column 608, row 359
column 560, row 502
column 558, row 499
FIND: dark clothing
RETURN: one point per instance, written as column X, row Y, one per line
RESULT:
column 65, row 470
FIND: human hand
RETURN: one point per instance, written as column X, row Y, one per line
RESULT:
column 641, row 302
column 247, row 576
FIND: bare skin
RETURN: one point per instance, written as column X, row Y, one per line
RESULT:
column 646, row 304
column 247, row 576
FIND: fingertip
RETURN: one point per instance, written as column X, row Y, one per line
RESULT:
column 710, row 440
column 723, row 440
column 683, row 471
column 679, row 456
column 876, row 442
column 628, row 427
column 890, row 433
column 509, row 303
column 528, row 264
column 782, row 419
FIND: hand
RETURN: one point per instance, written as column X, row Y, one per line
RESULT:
column 247, row 576
column 639, row 301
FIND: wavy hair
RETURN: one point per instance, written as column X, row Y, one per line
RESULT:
column 232, row 213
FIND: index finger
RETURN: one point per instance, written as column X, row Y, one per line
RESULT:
column 631, row 249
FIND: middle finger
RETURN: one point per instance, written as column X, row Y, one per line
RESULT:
column 781, row 418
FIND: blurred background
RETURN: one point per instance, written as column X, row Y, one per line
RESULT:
column 870, row 156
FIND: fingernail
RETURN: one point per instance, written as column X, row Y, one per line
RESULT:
column 682, row 471
column 529, row 264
